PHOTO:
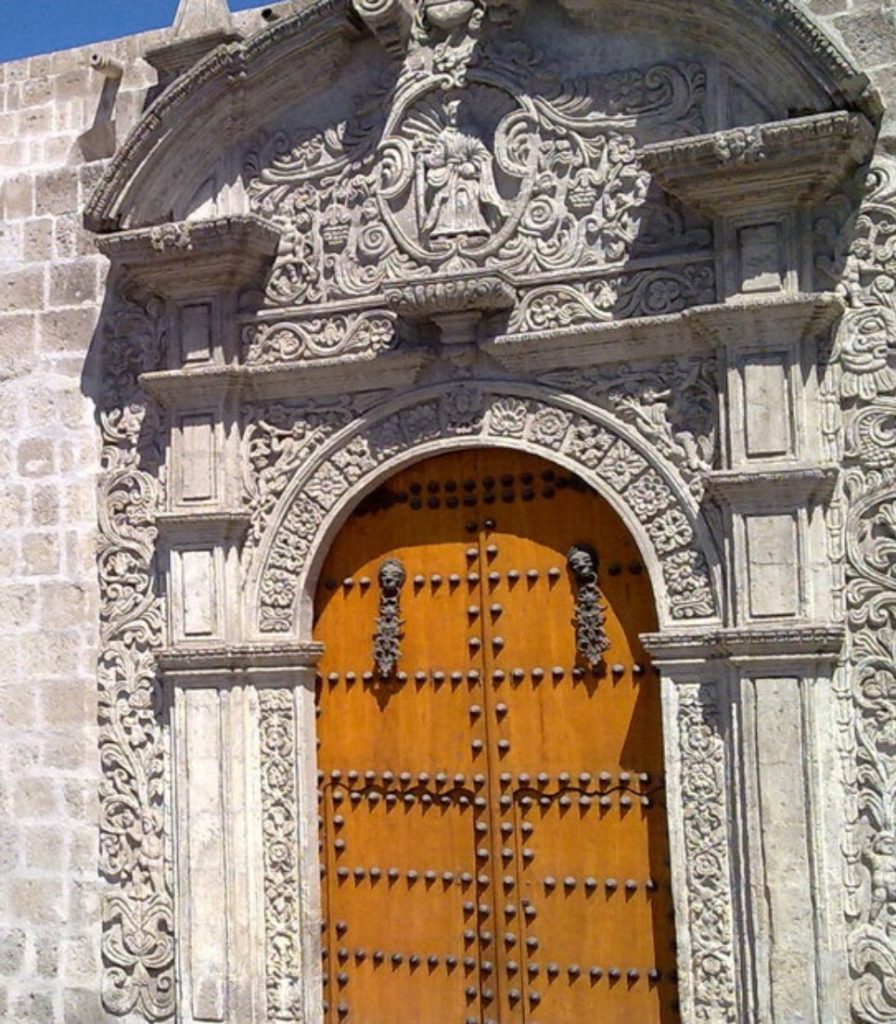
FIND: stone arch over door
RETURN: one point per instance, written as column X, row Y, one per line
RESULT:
column 653, row 500
column 664, row 518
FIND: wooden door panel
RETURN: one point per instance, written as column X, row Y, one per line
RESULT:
column 512, row 789
column 400, row 873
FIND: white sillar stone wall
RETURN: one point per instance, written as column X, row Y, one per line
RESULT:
column 51, row 287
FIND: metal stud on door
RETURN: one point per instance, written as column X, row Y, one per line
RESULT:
column 493, row 834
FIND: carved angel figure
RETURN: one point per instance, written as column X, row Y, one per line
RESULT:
column 457, row 193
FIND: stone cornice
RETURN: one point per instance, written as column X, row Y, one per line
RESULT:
column 200, row 524
column 191, row 257
column 238, row 658
column 772, row 166
column 698, row 329
column 741, row 644
column 793, row 486
column 804, row 314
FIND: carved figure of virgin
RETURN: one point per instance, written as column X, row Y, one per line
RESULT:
column 458, row 195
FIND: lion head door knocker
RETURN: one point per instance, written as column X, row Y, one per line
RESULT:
column 590, row 614
column 387, row 638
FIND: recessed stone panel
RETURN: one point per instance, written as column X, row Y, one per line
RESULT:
column 773, row 566
column 767, row 405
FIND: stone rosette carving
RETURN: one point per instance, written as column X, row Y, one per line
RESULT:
column 137, row 907
column 278, row 438
column 279, row 807
column 479, row 410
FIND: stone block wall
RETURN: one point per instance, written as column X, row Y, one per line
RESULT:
column 51, row 288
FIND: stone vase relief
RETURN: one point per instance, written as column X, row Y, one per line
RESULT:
column 595, row 231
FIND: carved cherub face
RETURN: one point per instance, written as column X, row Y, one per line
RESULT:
column 582, row 560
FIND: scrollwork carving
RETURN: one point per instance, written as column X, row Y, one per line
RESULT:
column 865, row 352
column 673, row 404
column 590, row 615
column 324, row 337
column 476, row 159
column 387, row 638
column 138, row 914
column 279, row 806
column 710, row 984
column 642, row 293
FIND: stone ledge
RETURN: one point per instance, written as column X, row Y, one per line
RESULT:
column 201, row 663
column 796, row 485
column 782, row 641
column 192, row 257
column 203, row 524
column 783, row 164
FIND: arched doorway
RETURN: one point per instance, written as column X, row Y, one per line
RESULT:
column 493, row 829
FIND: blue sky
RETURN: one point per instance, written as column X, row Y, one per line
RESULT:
column 40, row 26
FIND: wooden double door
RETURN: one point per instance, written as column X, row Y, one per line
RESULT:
column 492, row 823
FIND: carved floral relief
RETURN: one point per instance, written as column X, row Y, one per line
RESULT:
column 866, row 358
column 138, row 913
column 479, row 155
column 469, row 409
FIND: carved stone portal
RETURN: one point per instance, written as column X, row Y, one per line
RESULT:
column 270, row 365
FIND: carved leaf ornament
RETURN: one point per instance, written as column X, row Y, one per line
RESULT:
column 866, row 357
column 480, row 156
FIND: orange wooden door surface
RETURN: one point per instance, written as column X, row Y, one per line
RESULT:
column 493, row 835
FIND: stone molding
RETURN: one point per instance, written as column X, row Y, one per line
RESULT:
column 797, row 641
column 797, row 485
column 783, row 164
column 187, row 257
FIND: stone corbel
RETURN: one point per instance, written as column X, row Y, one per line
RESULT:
column 756, row 181
column 456, row 304
column 190, row 257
